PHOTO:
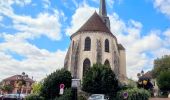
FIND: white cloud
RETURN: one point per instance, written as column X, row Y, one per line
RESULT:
column 79, row 18
column 44, row 24
column 39, row 61
column 46, row 3
column 1, row 18
column 163, row 6
column 47, row 24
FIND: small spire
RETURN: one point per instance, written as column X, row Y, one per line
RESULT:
column 103, row 11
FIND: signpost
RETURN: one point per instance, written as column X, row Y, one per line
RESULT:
column 61, row 89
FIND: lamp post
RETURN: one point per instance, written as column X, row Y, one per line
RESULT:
column 21, row 82
column 74, row 85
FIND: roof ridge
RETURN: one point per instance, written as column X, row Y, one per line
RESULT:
column 94, row 23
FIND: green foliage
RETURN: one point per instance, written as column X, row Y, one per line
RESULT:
column 100, row 79
column 7, row 88
column 34, row 97
column 161, row 64
column 51, row 85
column 36, row 87
column 134, row 94
column 163, row 80
column 66, row 96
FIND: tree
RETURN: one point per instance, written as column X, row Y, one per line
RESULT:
column 161, row 64
column 100, row 79
column 36, row 87
column 50, row 87
column 7, row 88
column 163, row 80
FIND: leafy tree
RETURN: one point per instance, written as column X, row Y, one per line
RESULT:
column 100, row 79
column 7, row 88
column 161, row 64
column 50, row 87
column 36, row 87
column 163, row 80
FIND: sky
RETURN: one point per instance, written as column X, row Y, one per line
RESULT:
column 35, row 34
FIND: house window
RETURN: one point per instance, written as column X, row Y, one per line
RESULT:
column 106, row 45
column 107, row 63
column 86, row 66
column 87, row 45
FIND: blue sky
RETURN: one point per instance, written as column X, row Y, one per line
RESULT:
column 35, row 34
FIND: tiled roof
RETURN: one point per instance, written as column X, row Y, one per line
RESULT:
column 15, row 78
column 95, row 23
column 148, row 74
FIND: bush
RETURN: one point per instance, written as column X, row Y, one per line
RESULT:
column 34, row 97
column 66, row 96
column 134, row 94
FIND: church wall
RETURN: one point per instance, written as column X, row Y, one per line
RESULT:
column 92, row 54
column 122, row 64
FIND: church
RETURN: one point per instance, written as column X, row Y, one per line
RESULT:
column 95, row 43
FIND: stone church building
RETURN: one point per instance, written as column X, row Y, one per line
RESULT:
column 95, row 43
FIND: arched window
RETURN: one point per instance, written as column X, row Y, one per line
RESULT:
column 86, row 66
column 107, row 63
column 87, row 45
column 106, row 45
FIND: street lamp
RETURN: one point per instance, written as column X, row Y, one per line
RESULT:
column 21, row 81
column 75, row 85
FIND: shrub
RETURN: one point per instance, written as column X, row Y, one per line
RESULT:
column 66, row 96
column 34, row 97
column 134, row 94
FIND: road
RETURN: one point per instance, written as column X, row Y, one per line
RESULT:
column 159, row 99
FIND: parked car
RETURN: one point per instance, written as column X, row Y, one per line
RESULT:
column 13, row 97
column 98, row 97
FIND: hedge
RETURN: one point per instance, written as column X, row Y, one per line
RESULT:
column 134, row 94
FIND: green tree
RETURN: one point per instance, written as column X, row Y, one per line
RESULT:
column 163, row 80
column 36, row 87
column 7, row 88
column 50, row 87
column 161, row 64
column 100, row 79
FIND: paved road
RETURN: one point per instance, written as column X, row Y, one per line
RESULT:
column 159, row 99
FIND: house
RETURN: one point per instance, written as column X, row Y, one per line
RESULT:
column 14, row 82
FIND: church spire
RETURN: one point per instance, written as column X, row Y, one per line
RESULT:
column 103, row 11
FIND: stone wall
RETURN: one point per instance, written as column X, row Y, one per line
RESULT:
column 77, row 55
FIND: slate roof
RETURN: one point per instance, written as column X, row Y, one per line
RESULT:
column 15, row 78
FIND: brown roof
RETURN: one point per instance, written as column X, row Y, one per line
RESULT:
column 15, row 78
column 148, row 74
column 94, row 23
